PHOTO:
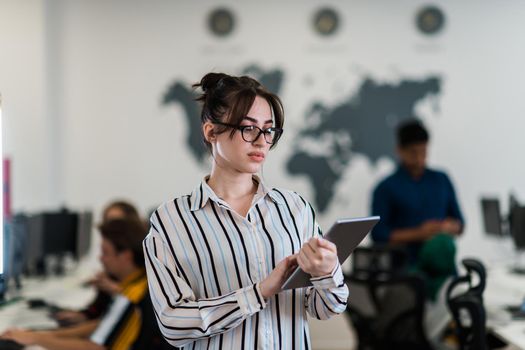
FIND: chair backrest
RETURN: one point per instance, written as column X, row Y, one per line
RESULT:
column 379, row 259
column 465, row 302
column 387, row 311
column 386, row 304
column 476, row 270
column 466, row 284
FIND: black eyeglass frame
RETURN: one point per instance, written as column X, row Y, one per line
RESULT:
column 241, row 128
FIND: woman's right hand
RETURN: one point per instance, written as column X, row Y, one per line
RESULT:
column 104, row 283
column 272, row 284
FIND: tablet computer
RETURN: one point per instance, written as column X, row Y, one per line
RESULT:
column 346, row 234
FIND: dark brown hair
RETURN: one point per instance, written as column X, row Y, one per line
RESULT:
column 125, row 234
column 228, row 99
column 129, row 210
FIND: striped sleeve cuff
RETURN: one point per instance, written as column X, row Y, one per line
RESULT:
column 333, row 280
column 250, row 299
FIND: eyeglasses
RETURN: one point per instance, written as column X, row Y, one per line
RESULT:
column 250, row 133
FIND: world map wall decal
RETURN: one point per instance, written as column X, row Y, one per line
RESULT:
column 332, row 134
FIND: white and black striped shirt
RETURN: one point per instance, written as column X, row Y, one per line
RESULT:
column 204, row 262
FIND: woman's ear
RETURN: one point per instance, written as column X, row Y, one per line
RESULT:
column 208, row 129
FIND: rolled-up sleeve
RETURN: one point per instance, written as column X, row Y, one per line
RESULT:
column 329, row 294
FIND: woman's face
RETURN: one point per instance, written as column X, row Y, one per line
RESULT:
column 240, row 156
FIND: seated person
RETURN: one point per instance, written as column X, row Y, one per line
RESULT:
column 129, row 322
column 105, row 284
column 418, row 207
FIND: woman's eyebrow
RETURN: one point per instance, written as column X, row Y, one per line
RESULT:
column 255, row 120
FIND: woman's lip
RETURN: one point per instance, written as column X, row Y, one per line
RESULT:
column 255, row 156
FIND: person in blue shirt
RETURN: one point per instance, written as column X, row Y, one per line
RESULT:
column 415, row 203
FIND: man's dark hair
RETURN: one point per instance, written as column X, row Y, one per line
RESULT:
column 125, row 234
column 411, row 132
column 129, row 210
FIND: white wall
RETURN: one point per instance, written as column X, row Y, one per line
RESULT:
column 22, row 81
column 82, row 81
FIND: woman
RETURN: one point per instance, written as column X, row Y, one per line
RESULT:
column 216, row 259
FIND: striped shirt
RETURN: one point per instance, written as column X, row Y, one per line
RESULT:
column 204, row 264
column 120, row 327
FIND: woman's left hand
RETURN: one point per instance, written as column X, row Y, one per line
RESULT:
column 318, row 257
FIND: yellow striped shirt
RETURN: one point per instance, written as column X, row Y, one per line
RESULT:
column 120, row 326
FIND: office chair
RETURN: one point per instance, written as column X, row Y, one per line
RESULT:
column 386, row 304
column 465, row 302
column 379, row 259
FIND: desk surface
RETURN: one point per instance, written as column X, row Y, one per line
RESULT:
column 65, row 292
column 504, row 288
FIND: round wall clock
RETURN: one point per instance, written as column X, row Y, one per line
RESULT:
column 326, row 21
column 430, row 20
column 221, row 22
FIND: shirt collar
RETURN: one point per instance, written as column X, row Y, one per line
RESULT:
column 133, row 278
column 404, row 172
column 203, row 192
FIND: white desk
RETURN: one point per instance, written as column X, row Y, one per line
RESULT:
column 19, row 315
column 504, row 288
column 61, row 291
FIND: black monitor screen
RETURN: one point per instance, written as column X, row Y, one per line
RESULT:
column 517, row 226
column 59, row 233
column 492, row 221
column 14, row 249
column 85, row 228
column 513, row 202
column 35, row 240
column 17, row 245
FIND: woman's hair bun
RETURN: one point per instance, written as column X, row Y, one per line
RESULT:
column 211, row 80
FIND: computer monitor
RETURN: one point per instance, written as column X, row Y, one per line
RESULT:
column 513, row 202
column 492, row 220
column 84, row 232
column 60, row 233
column 17, row 243
column 34, row 257
column 15, row 236
column 517, row 226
